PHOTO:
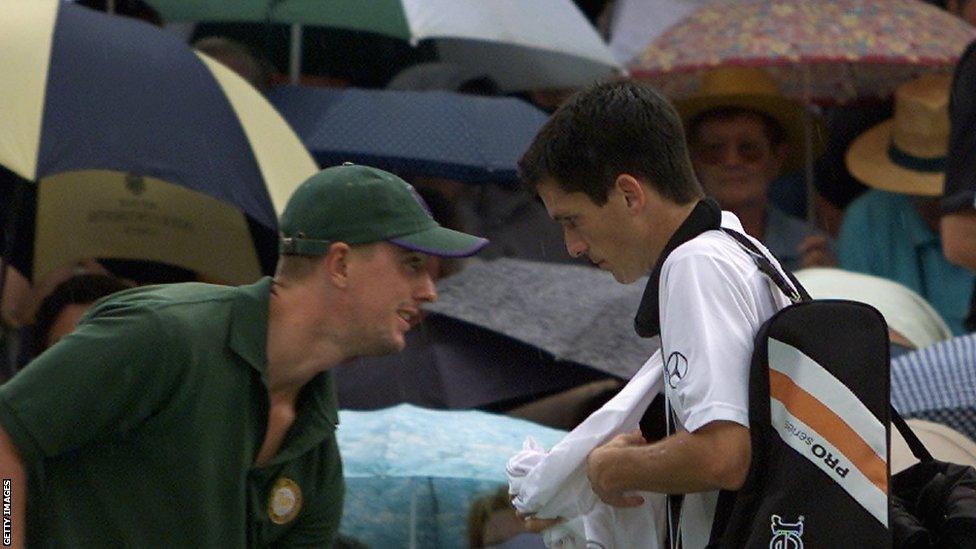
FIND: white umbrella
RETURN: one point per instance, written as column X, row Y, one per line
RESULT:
column 521, row 45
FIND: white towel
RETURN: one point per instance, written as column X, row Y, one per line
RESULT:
column 554, row 484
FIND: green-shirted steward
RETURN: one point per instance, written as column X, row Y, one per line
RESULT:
column 197, row 415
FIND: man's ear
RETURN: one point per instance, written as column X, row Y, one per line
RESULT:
column 633, row 193
column 336, row 264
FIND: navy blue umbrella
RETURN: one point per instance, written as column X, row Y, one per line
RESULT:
column 139, row 147
column 431, row 133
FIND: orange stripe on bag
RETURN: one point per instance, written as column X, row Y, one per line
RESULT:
column 805, row 407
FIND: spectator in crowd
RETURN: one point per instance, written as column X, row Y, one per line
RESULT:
column 203, row 415
column 937, row 383
column 60, row 311
column 892, row 230
column 742, row 132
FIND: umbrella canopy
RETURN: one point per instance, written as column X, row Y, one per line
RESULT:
column 453, row 364
column 521, row 45
column 141, row 148
column 829, row 51
column 575, row 313
column 433, row 134
column 412, row 474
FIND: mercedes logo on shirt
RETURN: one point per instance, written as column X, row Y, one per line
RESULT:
column 675, row 369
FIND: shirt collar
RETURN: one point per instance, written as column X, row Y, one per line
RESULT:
column 706, row 216
column 317, row 406
column 249, row 325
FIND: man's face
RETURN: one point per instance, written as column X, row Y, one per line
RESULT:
column 735, row 160
column 604, row 234
column 388, row 285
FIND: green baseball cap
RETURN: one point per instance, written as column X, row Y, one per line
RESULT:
column 358, row 205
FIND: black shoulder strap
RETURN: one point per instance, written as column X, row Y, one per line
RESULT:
column 793, row 290
column 918, row 449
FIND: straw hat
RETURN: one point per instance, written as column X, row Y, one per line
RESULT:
column 754, row 89
column 907, row 153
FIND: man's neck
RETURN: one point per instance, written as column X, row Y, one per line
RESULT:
column 299, row 345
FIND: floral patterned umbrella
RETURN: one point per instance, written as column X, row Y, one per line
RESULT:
column 826, row 51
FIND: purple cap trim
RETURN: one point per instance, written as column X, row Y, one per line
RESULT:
column 482, row 242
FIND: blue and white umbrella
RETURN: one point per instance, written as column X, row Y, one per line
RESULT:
column 412, row 473
column 141, row 148
column 432, row 133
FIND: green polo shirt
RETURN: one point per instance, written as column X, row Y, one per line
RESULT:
column 140, row 429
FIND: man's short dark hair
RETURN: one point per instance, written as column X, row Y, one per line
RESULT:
column 607, row 130
column 77, row 290
column 775, row 131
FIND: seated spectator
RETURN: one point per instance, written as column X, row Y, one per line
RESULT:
column 958, row 223
column 741, row 133
column 59, row 312
column 892, row 230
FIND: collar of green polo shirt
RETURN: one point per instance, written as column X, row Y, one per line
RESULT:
column 358, row 205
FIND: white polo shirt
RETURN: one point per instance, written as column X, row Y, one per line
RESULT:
column 713, row 299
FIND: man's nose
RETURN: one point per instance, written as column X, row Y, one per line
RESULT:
column 574, row 245
column 427, row 291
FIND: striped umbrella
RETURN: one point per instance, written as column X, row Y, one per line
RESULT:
column 829, row 51
column 521, row 45
column 141, row 148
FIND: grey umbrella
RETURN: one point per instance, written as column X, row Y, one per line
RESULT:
column 575, row 313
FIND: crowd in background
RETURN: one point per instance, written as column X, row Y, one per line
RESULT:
column 870, row 229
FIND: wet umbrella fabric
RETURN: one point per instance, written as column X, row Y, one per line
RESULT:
column 520, row 45
column 121, row 121
column 828, row 51
column 575, row 313
column 452, row 364
column 412, row 473
column 433, row 134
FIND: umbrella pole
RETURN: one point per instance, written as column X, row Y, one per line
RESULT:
column 808, row 148
column 295, row 55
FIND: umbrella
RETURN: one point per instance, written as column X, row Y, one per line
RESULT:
column 412, row 474
column 453, row 364
column 140, row 148
column 433, row 134
column 828, row 51
column 575, row 313
column 521, row 45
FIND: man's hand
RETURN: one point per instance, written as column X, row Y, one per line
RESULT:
column 815, row 252
column 597, row 470
column 537, row 525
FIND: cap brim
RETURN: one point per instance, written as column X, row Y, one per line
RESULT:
column 867, row 160
column 442, row 242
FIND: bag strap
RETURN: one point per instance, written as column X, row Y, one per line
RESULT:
column 914, row 444
column 793, row 290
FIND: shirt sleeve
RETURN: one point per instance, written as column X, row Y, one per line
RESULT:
column 117, row 369
column 318, row 524
column 708, row 322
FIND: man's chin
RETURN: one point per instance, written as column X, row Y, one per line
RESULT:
column 625, row 278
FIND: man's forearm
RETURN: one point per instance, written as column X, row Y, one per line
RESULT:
column 714, row 457
column 14, row 493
